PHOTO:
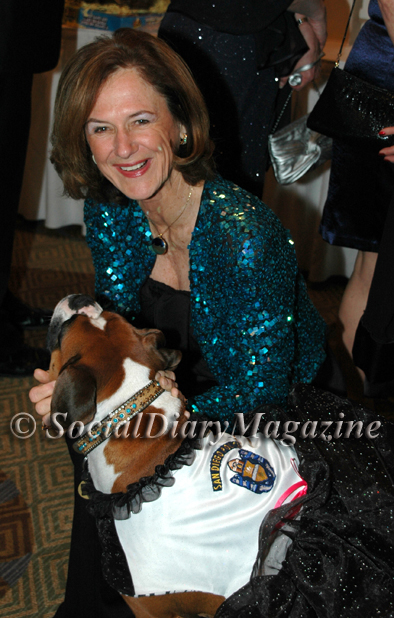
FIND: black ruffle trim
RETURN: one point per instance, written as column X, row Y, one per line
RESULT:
column 121, row 505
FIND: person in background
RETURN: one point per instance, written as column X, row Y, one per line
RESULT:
column 373, row 348
column 240, row 54
column 30, row 36
column 362, row 182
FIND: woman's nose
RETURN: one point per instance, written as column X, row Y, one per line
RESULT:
column 124, row 144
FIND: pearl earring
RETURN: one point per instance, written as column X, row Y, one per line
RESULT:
column 94, row 160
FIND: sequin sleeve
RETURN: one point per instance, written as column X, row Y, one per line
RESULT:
column 251, row 313
column 119, row 239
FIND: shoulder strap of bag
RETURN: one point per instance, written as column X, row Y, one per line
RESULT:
column 344, row 36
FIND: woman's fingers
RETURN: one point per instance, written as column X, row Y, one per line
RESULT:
column 387, row 131
column 387, row 153
column 43, row 391
column 166, row 379
column 46, row 421
column 43, row 405
column 309, row 58
column 41, row 395
column 175, row 392
column 41, row 376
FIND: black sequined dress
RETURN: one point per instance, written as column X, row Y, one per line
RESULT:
column 341, row 560
column 235, row 50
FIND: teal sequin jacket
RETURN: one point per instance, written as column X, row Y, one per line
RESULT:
column 250, row 311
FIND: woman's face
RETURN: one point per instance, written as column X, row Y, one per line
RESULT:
column 132, row 135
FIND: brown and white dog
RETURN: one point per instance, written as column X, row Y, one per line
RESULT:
column 100, row 362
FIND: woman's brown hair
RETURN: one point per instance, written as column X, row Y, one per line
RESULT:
column 78, row 89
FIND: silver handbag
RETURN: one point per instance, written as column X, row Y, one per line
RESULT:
column 296, row 149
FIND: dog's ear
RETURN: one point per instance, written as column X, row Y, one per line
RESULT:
column 171, row 358
column 75, row 395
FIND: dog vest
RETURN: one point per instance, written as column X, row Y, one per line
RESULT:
column 202, row 533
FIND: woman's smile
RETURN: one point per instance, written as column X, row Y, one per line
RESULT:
column 135, row 170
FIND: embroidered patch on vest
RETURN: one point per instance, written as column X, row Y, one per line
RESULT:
column 252, row 472
column 216, row 461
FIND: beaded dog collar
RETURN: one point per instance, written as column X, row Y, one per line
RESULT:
column 122, row 415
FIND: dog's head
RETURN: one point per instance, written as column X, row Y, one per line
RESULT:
column 88, row 348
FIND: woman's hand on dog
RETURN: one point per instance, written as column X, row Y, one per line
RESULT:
column 41, row 395
column 167, row 380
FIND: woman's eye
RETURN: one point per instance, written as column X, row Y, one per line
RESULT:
column 100, row 129
column 141, row 121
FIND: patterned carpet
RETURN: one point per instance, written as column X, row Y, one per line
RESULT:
column 16, row 534
column 47, row 265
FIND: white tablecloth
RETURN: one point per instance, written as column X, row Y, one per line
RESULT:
column 42, row 191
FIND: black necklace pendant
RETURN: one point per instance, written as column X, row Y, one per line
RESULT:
column 159, row 245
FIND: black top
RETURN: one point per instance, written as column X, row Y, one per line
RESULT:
column 168, row 310
column 278, row 41
column 232, row 16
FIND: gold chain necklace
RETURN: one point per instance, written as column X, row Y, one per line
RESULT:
column 159, row 244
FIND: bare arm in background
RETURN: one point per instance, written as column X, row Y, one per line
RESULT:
column 387, row 8
column 314, row 31
column 315, row 11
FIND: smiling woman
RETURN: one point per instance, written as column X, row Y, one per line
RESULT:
column 132, row 136
column 166, row 82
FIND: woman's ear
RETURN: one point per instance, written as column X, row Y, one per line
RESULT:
column 183, row 136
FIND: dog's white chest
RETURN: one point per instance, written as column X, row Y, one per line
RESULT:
column 136, row 376
column 202, row 533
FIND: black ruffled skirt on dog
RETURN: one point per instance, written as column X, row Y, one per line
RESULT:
column 341, row 560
